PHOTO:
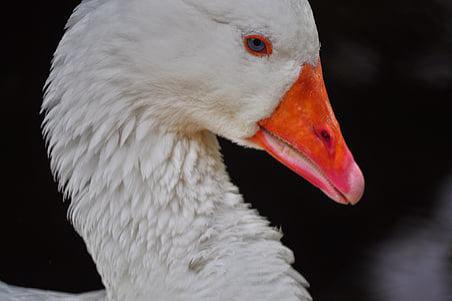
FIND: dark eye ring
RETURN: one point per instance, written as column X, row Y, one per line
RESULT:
column 258, row 45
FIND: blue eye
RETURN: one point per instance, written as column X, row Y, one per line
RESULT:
column 258, row 45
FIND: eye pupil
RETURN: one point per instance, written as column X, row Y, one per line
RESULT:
column 257, row 42
column 256, row 45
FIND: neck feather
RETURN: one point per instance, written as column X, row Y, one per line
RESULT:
column 161, row 219
column 147, row 204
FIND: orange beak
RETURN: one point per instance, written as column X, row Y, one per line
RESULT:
column 303, row 134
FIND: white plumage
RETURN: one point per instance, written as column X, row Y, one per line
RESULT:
column 137, row 92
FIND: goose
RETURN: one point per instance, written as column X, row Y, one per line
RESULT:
column 138, row 92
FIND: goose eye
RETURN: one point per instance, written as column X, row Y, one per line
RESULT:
column 258, row 45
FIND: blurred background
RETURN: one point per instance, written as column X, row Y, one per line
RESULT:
column 388, row 69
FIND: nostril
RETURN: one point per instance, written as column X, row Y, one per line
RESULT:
column 325, row 136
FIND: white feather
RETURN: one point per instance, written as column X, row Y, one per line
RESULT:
column 137, row 91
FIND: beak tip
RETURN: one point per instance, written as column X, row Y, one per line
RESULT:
column 357, row 185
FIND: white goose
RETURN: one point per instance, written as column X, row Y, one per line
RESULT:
column 137, row 92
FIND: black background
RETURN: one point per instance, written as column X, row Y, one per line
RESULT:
column 388, row 68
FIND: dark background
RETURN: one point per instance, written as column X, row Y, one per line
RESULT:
column 388, row 68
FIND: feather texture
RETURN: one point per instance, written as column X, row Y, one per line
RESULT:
column 137, row 92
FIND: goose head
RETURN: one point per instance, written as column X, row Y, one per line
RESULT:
column 248, row 71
